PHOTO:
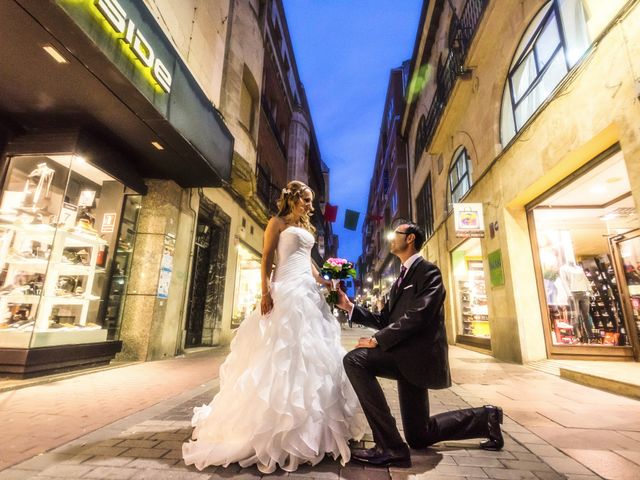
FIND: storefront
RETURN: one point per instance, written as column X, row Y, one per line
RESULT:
column 470, row 295
column 60, row 217
column 80, row 145
column 584, row 233
column 247, row 291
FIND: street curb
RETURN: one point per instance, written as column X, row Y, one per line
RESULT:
column 617, row 387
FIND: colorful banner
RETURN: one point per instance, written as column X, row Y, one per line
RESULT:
column 351, row 218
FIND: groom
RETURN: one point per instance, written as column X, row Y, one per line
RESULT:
column 410, row 347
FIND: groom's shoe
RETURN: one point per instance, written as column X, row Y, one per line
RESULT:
column 494, row 419
column 383, row 457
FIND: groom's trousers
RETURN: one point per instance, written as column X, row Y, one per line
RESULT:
column 363, row 365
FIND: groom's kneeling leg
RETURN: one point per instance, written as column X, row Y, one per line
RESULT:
column 414, row 407
column 362, row 366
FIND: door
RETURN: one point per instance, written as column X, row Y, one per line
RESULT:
column 627, row 250
column 198, row 291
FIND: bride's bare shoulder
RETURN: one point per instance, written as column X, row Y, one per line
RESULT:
column 277, row 223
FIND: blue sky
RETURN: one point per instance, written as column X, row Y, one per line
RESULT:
column 344, row 50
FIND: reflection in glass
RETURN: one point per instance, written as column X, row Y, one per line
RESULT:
column 247, row 293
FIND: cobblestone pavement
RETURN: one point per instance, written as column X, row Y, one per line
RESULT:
column 538, row 444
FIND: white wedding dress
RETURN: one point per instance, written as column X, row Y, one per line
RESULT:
column 284, row 397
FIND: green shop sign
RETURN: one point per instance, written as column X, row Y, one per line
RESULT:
column 496, row 273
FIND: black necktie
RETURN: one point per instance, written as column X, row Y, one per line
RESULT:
column 398, row 282
column 403, row 270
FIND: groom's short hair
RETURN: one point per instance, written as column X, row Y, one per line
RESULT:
column 418, row 233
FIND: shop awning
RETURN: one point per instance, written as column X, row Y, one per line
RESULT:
column 99, row 84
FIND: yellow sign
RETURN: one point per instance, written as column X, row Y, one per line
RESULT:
column 142, row 51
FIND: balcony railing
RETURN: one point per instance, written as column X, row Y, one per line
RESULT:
column 268, row 193
column 461, row 32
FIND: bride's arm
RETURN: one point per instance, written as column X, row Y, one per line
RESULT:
column 318, row 278
column 271, row 236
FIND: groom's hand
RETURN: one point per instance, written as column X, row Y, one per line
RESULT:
column 367, row 342
column 343, row 301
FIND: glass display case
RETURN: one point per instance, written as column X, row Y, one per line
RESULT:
column 57, row 220
column 121, row 267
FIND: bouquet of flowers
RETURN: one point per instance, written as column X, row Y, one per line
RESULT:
column 336, row 269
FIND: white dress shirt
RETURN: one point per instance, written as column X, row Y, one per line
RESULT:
column 407, row 264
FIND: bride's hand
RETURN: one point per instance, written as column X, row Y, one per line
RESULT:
column 266, row 304
column 325, row 283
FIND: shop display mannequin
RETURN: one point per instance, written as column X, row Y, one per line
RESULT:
column 38, row 185
column 577, row 285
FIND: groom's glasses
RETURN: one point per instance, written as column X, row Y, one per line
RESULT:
column 401, row 233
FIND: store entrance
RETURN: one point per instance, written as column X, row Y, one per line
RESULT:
column 207, row 275
column 199, row 276
column 627, row 254
column 471, row 295
column 580, row 264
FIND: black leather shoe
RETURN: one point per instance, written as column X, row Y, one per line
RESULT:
column 380, row 457
column 494, row 419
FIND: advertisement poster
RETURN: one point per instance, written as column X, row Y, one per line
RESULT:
column 166, row 266
column 108, row 223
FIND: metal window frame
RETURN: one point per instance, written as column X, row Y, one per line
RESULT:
column 554, row 10
column 425, row 208
column 463, row 155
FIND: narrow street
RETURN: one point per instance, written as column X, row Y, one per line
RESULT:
column 130, row 422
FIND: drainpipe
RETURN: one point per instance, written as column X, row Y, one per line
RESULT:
column 182, row 332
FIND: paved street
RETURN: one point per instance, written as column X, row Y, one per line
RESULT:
column 138, row 417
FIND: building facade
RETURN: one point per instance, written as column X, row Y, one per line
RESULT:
column 389, row 196
column 544, row 137
column 131, row 222
column 287, row 146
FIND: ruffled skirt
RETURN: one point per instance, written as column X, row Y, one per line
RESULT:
column 284, row 397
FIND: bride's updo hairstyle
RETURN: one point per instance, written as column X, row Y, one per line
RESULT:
column 289, row 195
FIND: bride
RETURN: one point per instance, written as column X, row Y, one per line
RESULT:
column 284, row 398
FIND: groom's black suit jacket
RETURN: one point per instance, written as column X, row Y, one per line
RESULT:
column 411, row 326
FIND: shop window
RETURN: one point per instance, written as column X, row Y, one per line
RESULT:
column 585, row 271
column 459, row 176
column 552, row 44
column 248, row 285
column 122, row 262
column 470, row 290
column 59, row 218
column 424, row 207
column 248, row 101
